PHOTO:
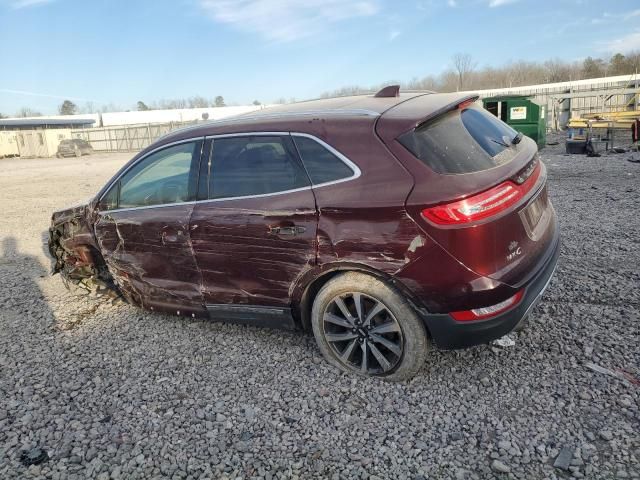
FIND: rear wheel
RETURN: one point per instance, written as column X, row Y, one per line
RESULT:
column 363, row 326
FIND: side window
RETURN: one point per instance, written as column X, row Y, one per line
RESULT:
column 110, row 199
column 163, row 177
column 323, row 166
column 257, row 165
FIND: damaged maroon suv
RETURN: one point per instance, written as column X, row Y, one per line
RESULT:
column 377, row 222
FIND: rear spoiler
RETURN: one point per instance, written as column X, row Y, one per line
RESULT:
column 416, row 111
column 459, row 103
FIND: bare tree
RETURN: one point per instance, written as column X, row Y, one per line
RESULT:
column 88, row 107
column 463, row 65
column 110, row 107
column 593, row 68
column 27, row 112
column 198, row 102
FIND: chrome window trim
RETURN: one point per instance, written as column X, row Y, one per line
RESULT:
column 247, row 134
column 144, row 207
column 260, row 195
column 354, row 168
column 161, row 147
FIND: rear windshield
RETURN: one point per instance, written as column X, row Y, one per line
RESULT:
column 66, row 142
column 462, row 141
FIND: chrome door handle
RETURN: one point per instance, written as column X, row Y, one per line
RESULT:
column 289, row 230
column 167, row 237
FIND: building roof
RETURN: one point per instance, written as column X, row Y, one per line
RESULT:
column 44, row 122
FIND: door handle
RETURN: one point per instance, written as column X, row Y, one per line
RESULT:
column 288, row 230
column 168, row 237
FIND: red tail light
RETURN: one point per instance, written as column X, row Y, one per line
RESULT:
column 482, row 205
column 488, row 312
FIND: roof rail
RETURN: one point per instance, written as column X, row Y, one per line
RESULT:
column 389, row 91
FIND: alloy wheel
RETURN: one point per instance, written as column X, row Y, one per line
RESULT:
column 362, row 333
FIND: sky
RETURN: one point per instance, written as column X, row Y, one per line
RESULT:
column 118, row 52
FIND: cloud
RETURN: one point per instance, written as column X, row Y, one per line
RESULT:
column 394, row 34
column 452, row 3
column 613, row 18
column 500, row 3
column 623, row 44
column 286, row 20
column 632, row 14
column 46, row 95
column 19, row 4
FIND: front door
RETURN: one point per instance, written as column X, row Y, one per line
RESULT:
column 142, row 229
column 254, row 232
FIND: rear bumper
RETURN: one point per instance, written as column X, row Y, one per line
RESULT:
column 449, row 333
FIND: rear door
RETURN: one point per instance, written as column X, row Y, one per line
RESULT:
column 142, row 229
column 253, row 229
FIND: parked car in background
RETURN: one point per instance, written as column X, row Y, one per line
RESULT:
column 74, row 147
column 374, row 221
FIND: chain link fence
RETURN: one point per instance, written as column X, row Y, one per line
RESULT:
column 126, row 138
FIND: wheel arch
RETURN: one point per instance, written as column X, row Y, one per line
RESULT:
column 313, row 282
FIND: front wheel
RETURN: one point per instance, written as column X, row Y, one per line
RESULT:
column 361, row 325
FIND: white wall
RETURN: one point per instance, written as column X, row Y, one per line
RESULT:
column 8, row 143
column 155, row 116
column 176, row 115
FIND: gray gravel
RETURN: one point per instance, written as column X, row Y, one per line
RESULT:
column 109, row 391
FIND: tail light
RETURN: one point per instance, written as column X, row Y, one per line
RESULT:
column 488, row 203
column 488, row 312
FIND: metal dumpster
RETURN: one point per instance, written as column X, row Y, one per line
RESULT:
column 522, row 114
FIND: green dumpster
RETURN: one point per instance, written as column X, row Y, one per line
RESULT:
column 522, row 114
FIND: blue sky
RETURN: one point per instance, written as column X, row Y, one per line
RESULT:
column 116, row 51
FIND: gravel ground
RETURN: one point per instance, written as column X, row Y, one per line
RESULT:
column 109, row 391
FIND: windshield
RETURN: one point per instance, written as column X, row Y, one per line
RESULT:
column 462, row 141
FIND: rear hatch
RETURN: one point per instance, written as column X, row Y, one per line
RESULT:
column 480, row 187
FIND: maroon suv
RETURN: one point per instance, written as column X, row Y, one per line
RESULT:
column 375, row 221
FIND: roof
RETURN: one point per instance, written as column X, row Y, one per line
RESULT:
column 502, row 98
column 43, row 122
column 280, row 118
column 391, row 116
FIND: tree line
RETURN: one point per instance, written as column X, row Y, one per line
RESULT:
column 69, row 107
column 463, row 74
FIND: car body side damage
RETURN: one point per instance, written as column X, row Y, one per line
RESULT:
column 412, row 213
column 74, row 253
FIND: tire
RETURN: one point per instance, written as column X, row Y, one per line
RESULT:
column 395, row 332
column 78, row 152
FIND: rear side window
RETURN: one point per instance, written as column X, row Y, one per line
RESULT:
column 464, row 141
column 258, row 165
column 321, row 164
